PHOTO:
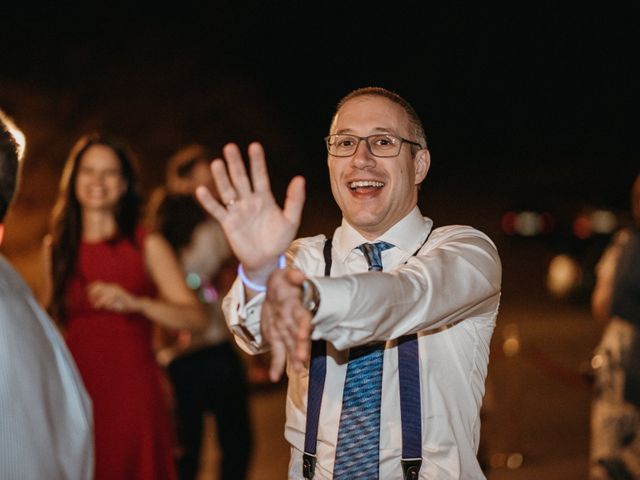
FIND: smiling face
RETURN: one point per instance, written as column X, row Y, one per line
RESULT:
column 374, row 193
column 99, row 182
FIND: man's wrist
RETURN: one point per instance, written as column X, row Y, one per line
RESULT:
column 310, row 297
column 257, row 280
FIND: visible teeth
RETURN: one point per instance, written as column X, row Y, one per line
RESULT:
column 366, row 183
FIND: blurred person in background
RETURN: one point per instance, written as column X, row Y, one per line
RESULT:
column 615, row 412
column 109, row 282
column 46, row 426
column 206, row 372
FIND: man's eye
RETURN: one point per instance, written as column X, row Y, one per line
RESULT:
column 346, row 142
column 383, row 140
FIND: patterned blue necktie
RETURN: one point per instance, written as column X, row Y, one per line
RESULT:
column 358, row 449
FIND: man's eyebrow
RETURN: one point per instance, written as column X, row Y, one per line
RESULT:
column 349, row 131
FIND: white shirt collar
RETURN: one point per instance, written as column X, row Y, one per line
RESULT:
column 407, row 235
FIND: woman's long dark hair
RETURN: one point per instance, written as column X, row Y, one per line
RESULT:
column 66, row 220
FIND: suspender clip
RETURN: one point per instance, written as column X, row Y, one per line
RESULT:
column 411, row 468
column 309, row 465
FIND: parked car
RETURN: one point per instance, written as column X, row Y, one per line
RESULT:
column 527, row 220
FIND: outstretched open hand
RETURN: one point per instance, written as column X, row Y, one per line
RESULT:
column 257, row 229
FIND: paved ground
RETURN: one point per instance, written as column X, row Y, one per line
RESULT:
column 538, row 402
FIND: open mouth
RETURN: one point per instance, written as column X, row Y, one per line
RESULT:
column 365, row 185
column 95, row 192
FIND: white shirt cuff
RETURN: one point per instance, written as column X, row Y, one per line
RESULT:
column 244, row 318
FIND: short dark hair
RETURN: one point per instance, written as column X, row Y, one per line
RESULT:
column 181, row 163
column 9, row 168
column 414, row 119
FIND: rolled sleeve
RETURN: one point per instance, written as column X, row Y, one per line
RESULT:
column 243, row 318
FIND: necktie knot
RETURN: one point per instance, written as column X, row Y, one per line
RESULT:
column 373, row 254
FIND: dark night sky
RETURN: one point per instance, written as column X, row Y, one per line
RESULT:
column 526, row 101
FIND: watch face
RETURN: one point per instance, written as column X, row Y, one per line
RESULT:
column 309, row 296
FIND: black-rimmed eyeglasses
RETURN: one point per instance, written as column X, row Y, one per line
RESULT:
column 379, row 145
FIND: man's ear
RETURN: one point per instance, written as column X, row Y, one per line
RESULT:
column 422, row 163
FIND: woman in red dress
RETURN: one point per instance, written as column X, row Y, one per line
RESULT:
column 110, row 281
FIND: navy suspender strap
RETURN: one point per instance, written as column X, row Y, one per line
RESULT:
column 410, row 407
column 317, row 374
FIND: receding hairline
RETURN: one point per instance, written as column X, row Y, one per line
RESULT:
column 415, row 124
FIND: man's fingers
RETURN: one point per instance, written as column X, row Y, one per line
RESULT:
column 303, row 336
column 274, row 337
column 291, row 319
column 259, row 173
column 294, row 200
column 237, row 172
column 209, row 203
column 266, row 319
column 223, row 183
column 287, row 329
column 278, row 359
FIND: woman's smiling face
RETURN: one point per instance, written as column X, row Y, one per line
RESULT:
column 99, row 182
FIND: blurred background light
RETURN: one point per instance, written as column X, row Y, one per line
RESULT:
column 511, row 340
column 562, row 276
column 527, row 223
column 603, row 221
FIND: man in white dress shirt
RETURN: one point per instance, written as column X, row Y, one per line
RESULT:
column 45, row 413
column 442, row 284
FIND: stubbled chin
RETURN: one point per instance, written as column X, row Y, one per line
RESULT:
column 361, row 214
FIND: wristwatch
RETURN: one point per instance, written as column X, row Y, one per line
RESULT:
column 310, row 296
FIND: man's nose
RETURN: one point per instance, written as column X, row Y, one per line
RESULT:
column 362, row 157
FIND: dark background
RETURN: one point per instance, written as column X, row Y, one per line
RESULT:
column 531, row 103
column 528, row 105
